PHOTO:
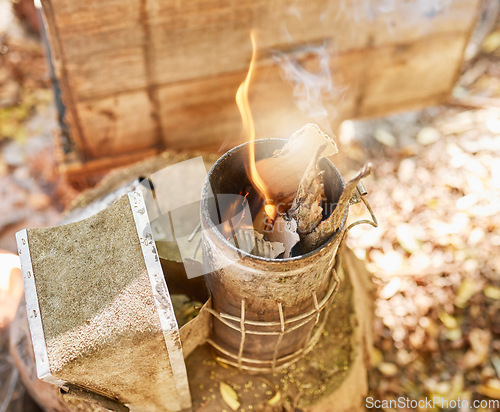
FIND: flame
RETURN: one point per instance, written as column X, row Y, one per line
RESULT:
column 236, row 208
column 249, row 129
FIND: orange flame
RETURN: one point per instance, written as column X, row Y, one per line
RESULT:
column 249, row 129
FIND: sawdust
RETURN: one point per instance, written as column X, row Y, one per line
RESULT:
column 70, row 257
column 96, row 340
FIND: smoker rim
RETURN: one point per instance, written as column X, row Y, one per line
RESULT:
column 206, row 219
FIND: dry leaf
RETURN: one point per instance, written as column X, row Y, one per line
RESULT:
column 406, row 238
column 449, row 321
column 480, row 346
column 223, row 364
column 275, row 399
column 185, row 308
column 376, row 357
column 453, row 334
column 329, row 226
column 492, row 292
column 385, row 137
column 495, row 361
column 492, row 42
column 389, row 290
column 388, row 369
column 457, row 386
column 480, row 341
column 306, row 207
column 491, row 389
column 467, row 289
column 427, row 136
column 229, row 396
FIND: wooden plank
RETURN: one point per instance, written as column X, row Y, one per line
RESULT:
column 368, row 83
column 118, row 125
column 84, row 173
column 142, row 74
column 405, row 22
column 60, row 71
column 203, row 114
column 99, row 43
column 210, row 37
column 217, row 41
column 412, row 73
column 75, row 18
column 108, row 73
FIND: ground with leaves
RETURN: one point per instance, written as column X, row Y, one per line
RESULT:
column 436, row 193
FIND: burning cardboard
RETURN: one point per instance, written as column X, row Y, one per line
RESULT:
column 284, row 231
column 283, row 171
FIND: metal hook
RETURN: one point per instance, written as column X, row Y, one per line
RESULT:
column 359, row 196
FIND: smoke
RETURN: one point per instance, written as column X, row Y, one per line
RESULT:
column 310, row 78
column 308, row 67
column 367, row 10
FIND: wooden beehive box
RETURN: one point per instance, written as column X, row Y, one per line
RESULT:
column 138, row 76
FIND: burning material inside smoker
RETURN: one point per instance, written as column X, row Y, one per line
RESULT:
column 300, row 218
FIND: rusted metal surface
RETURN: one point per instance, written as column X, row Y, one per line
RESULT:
column 262, row 293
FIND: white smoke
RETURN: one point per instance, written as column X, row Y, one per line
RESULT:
column 311, row 87
column 367, row 10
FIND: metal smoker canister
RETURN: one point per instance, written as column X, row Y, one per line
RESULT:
column 264, row 309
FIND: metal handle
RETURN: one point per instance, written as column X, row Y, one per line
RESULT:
column 359, row 196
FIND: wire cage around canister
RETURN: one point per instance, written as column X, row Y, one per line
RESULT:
column 319, row 314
